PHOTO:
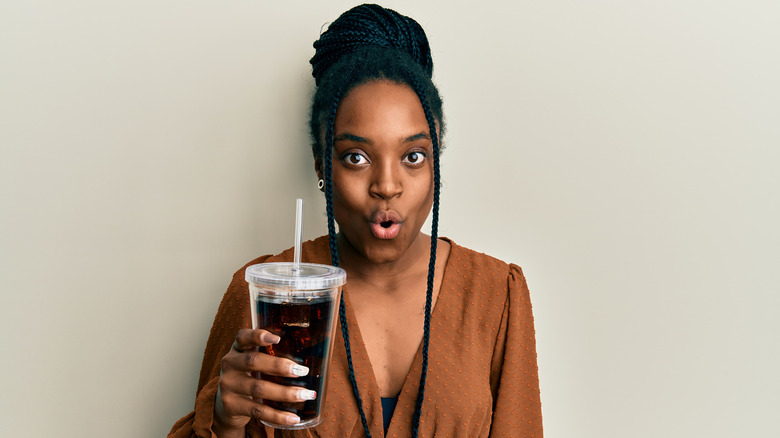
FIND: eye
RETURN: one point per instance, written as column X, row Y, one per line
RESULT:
column 355, row 158
column 415, row 157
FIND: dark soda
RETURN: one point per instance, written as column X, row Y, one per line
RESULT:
column 303, row 328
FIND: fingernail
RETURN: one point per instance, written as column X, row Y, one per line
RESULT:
column 299, row 370
column 271, row 338
column 306, row 394
column 293, row 419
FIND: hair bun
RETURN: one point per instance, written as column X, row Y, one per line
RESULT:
column 370, row 25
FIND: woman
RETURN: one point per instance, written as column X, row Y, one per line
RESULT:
column 438, row 340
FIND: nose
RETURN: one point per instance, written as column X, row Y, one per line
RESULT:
column 386, row 181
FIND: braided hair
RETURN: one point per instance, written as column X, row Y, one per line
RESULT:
column 365, row 44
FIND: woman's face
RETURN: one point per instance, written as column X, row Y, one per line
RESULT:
column 382, row 170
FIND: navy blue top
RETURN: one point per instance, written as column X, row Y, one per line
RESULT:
column 388, row 406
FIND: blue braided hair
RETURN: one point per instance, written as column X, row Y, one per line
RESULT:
column 364, row 44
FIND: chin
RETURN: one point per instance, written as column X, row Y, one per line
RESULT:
column 381, row 251
column 382, row 255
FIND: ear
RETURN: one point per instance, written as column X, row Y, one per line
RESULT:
column 318, row 166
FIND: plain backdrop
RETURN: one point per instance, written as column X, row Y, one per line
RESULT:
column 625, row 154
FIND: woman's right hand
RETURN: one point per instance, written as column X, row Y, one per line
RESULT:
column 238, row 391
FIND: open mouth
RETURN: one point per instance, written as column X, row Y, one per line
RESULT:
column 386, row 224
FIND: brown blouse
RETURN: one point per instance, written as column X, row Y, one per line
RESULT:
column 482, row 374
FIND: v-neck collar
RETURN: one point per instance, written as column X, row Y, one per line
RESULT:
column 407, row 398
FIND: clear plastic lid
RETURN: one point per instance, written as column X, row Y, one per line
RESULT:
column 310, row 276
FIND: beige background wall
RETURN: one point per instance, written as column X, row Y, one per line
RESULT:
column 624, row 153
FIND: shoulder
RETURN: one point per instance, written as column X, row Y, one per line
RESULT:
column 480, row 264
column 484, row 276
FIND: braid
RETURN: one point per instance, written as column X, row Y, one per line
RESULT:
column 327, row 162
column 432, row 262
column 328, row 174
column 370, row 25
column 334, row 253
column 369, row 43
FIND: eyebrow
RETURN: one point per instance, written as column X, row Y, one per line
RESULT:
column 420, row 136
column 350, row 137
column 358, row 139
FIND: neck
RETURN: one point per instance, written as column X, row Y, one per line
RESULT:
column 385, row 275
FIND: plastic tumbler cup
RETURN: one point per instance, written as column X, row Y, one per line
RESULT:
column 300, row 307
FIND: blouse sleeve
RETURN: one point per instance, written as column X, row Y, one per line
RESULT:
column 517, row 408
column 232, row 316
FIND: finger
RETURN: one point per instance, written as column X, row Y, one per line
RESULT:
column 237, row 406
column 250, row 361
column 267, row 364
column 247, row 339
column 263, row 389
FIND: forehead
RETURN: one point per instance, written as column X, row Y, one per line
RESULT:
column 381, row 109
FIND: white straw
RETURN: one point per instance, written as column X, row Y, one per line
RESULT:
column 298, row 232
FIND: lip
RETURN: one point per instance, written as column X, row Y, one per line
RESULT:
column 386, row 232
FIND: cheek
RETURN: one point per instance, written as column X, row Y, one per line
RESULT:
column 346, row 192
column 423, row 185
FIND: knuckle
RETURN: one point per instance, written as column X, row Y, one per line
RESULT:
column 243, row 340
column 257, row 411
column 228, row 404
column 250, row 360
column 226, row 386
column 258, row 388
